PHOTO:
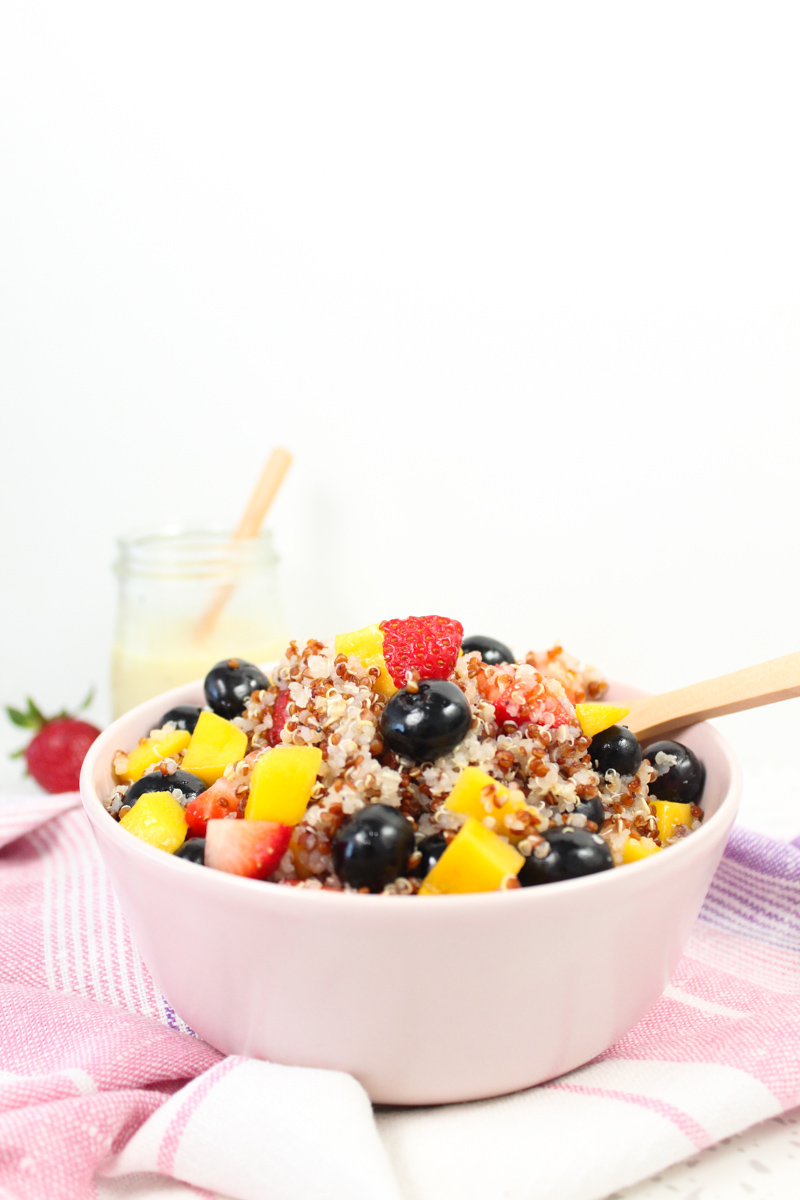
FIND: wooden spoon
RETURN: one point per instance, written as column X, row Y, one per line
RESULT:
column 778, row 679
column 261, row 498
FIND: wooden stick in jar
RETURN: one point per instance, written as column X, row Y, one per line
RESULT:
column 778, row 679
column 249, row 526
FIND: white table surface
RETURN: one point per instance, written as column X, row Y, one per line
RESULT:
column 763, row 1161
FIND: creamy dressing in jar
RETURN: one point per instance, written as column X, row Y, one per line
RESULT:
column 168, row 580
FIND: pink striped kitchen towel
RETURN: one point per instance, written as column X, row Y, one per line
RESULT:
column 105, row 1093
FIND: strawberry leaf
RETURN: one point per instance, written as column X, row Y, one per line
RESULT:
column 35, row 713
column 30, row 719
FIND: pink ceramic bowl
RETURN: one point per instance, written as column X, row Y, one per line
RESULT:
column 425, row 1001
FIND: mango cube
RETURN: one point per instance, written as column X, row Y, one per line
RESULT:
column 594, row 718
column 668, row 814
column 469, row 797
column 215, row 744
column 638, row 848
column 281, row 784
column 367, row 645
column 157, row 818
column 476, row 860
column 152, row 750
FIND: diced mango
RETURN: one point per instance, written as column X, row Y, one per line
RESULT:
column 637, row 848
column 281, row 784
column 594, row 718
column 668, row 814
column 367, row 645
column 468, row 797
column 215, row 744
column 152, row 750
column 157, row 818
column 476, row 860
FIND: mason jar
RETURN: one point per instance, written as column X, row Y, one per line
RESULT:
column 189, row 598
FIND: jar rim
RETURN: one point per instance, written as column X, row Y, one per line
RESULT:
column 192, row 551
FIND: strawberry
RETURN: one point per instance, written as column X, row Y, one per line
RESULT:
column 278, row 718
column 56, row 752
column 426, row 646
column 250, row 848
column 218, row 801
column 522, row 695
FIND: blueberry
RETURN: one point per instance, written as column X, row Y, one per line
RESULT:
column 373, row 847
column 431, row 848
column 592, row 809
column 193, row 851
column 228, row 686
column 683, row 782
column 572, row 853
column 183, row 716
column 189, row 785
column 428, row 723
column 616, row 748
column 491, row 651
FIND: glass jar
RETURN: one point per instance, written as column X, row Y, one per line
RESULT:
column 187, row 599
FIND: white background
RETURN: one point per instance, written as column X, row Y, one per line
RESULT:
column 517, row 284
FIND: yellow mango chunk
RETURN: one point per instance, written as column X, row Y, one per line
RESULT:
column 476, row 860
column 668, row 814
column 367, row 645
column 594, row 718
column 157, row 818
column 152, row 750
column 468, row 796
column 637, row 848
column 215, row 744
column 281, row 784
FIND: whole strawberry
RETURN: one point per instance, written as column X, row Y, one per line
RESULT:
column 56, row 752
column 426, row 646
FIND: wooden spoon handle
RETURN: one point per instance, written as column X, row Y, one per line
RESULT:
column 778, row 679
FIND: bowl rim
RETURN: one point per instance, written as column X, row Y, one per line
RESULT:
column 696, row 844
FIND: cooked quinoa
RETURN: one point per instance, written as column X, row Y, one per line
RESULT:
column 333, row 706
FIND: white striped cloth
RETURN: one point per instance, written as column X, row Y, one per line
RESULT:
column 105, row 1093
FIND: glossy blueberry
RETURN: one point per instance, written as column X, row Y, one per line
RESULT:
column 228, row 686
column 682, row 783
column 616, row 748
column 183, row 716
column 190, row 785
column 373, row 847
column 592, row 809
column 193, row 851
column 573, row 852
column 428, row 723
column 491, row 651
column 431, row 848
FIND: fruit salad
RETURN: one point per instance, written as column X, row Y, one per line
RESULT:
column 405, row 759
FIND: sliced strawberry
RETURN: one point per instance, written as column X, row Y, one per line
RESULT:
column 218, row 801
column 250, row 848
column 524, row 709
column 278, row 718
column 426, row 646
column 522, row 695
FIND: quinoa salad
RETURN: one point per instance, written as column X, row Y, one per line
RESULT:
column 404, row 759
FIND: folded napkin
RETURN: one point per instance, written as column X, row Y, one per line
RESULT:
column 105, row 1092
